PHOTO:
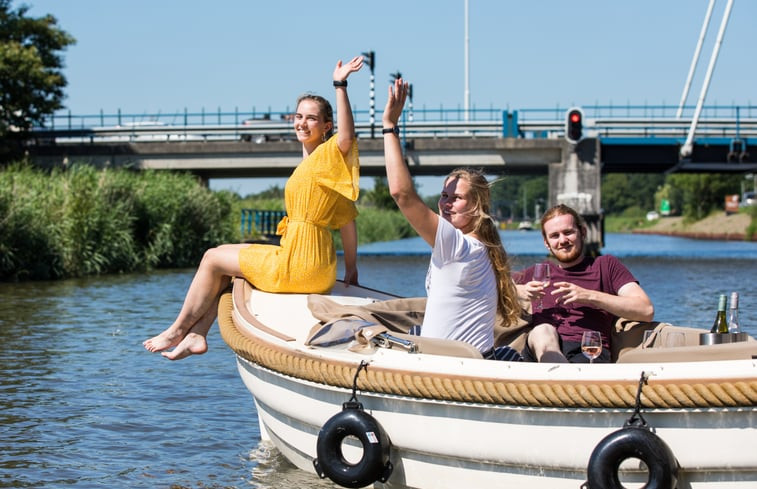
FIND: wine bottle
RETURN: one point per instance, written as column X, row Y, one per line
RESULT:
column 733, row 317
column 720, row 325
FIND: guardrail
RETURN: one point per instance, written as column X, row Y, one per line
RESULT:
column 264, row 222
column 733, row 122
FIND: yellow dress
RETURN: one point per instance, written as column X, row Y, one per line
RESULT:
column 320, row 195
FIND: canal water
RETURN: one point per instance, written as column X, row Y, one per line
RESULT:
column 83, row 405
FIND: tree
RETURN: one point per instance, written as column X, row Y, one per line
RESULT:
column 516, row 196
column 31, row 76
column 379, row 197
column 624, row 191
column 698, row 194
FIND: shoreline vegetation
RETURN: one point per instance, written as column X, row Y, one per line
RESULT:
column 81, row 221
column 718, row 226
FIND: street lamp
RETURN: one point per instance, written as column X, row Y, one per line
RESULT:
column 395, row 77
column 410, row 107
column 371, row 57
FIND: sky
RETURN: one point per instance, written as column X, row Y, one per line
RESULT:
column 165, row 56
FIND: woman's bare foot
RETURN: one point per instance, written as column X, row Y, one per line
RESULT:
column 163, row 341
column 192, row 344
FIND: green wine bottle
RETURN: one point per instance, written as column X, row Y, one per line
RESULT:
column 720, row 325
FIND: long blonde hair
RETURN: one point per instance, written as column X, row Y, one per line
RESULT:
column 483, row 226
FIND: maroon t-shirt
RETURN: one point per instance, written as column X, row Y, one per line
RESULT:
column 604, row 273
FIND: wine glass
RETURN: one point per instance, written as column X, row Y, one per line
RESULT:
column 591, row 345
column 649, row 337
column 541, row 274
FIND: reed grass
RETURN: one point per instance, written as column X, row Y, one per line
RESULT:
column 83, row 221
column 381, row 225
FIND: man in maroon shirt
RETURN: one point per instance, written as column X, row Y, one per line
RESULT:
column 584, row 293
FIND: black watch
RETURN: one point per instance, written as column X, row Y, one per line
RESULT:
column 390, row 130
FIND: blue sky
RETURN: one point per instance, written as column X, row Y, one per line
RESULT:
column 148, row 56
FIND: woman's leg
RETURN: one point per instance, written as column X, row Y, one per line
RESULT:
column 195, row 342
column 212, row 276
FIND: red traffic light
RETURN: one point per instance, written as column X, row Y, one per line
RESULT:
column 574, row 125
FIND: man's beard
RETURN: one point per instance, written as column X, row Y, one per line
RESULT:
column 571, row 256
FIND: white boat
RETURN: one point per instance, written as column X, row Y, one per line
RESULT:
column 434, row 414
column 525, row 225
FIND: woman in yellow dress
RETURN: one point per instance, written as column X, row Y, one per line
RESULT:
column 319, row 195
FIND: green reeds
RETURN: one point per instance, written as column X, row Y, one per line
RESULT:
column 83, row 221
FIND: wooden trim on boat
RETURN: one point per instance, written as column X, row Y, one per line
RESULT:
column 567, row 394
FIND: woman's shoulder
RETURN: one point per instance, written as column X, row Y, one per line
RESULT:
column 463, row 244
column 330, row 151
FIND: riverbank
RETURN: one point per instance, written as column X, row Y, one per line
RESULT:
column 718, row 226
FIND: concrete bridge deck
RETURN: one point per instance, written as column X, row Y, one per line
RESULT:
column 242, row 159
column 226, row 159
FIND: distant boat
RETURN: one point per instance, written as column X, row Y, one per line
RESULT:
column 526, row 225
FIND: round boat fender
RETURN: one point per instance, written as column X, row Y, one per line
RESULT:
column 373, row 466
column 632, row 442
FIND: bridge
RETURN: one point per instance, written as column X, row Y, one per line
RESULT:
column 629, row 138
column 646, row 139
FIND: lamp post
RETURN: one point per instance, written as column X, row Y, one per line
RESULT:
column 410, row 107
column 466, row 62
column 371, row 56
column 395, row 77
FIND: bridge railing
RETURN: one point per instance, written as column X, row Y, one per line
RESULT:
column 604, row 121
column 67, row 121
column 264, row 222
column 649, row 112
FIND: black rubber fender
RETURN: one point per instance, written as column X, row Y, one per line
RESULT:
column 374, row 464
column 632, row 442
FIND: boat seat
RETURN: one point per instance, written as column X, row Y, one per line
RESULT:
column 393, row 318
column 628, row 337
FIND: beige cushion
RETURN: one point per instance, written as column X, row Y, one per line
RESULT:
column 395, row 315
column 628, row 336
column 438, row 346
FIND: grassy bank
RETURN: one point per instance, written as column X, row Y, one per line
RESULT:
column 717, row 225
column 84, row 221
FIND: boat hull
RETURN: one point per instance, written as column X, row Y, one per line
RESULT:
column 452, row 443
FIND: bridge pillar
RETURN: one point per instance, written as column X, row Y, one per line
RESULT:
column 576, row 182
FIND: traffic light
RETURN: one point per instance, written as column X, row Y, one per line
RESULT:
column 574, row 123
